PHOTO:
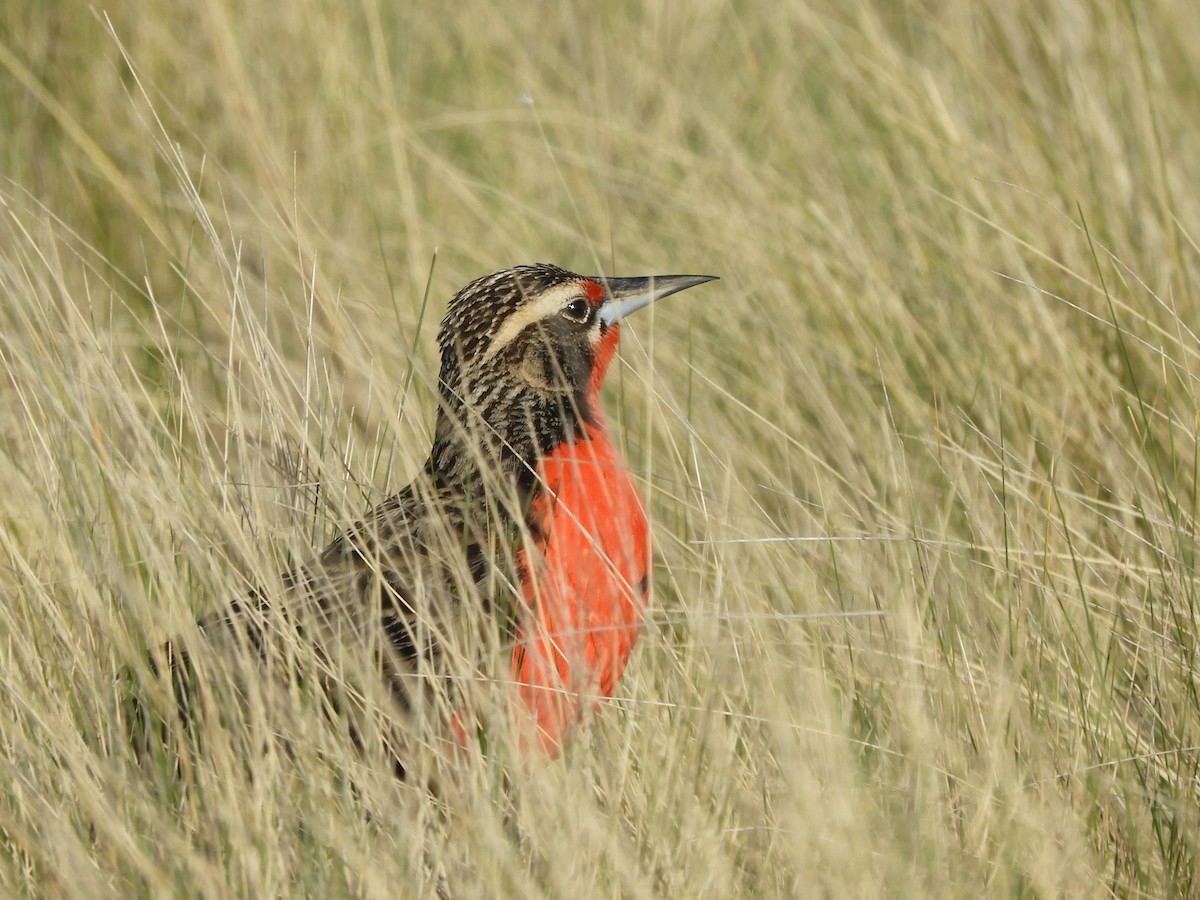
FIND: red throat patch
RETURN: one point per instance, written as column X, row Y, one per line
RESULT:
column 602, row 356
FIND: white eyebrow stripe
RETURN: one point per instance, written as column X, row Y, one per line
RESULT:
column 530, row 312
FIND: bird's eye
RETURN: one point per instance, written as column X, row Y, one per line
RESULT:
column 577, row 311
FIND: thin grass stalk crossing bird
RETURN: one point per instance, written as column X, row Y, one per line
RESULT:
column 523, row 535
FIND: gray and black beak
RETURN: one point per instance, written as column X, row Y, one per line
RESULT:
column 628, row 295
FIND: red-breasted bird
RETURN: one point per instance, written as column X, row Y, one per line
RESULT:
column 524, row 530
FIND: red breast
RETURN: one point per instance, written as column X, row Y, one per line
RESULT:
column 586, row 582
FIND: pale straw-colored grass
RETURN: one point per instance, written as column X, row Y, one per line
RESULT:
column 922, row 466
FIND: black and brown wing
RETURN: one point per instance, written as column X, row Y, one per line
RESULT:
column 386, row 624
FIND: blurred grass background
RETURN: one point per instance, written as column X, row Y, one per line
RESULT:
column 923, row 465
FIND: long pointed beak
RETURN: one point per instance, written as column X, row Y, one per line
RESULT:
column 628, row 295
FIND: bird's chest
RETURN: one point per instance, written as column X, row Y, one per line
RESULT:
column 585, row 579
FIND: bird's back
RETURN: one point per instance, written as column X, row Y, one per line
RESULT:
column 391, row 621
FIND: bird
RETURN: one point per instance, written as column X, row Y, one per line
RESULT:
column 523, row 536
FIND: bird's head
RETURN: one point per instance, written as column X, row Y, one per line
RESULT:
column 525, row 350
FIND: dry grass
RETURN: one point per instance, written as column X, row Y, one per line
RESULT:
column 923, row 465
